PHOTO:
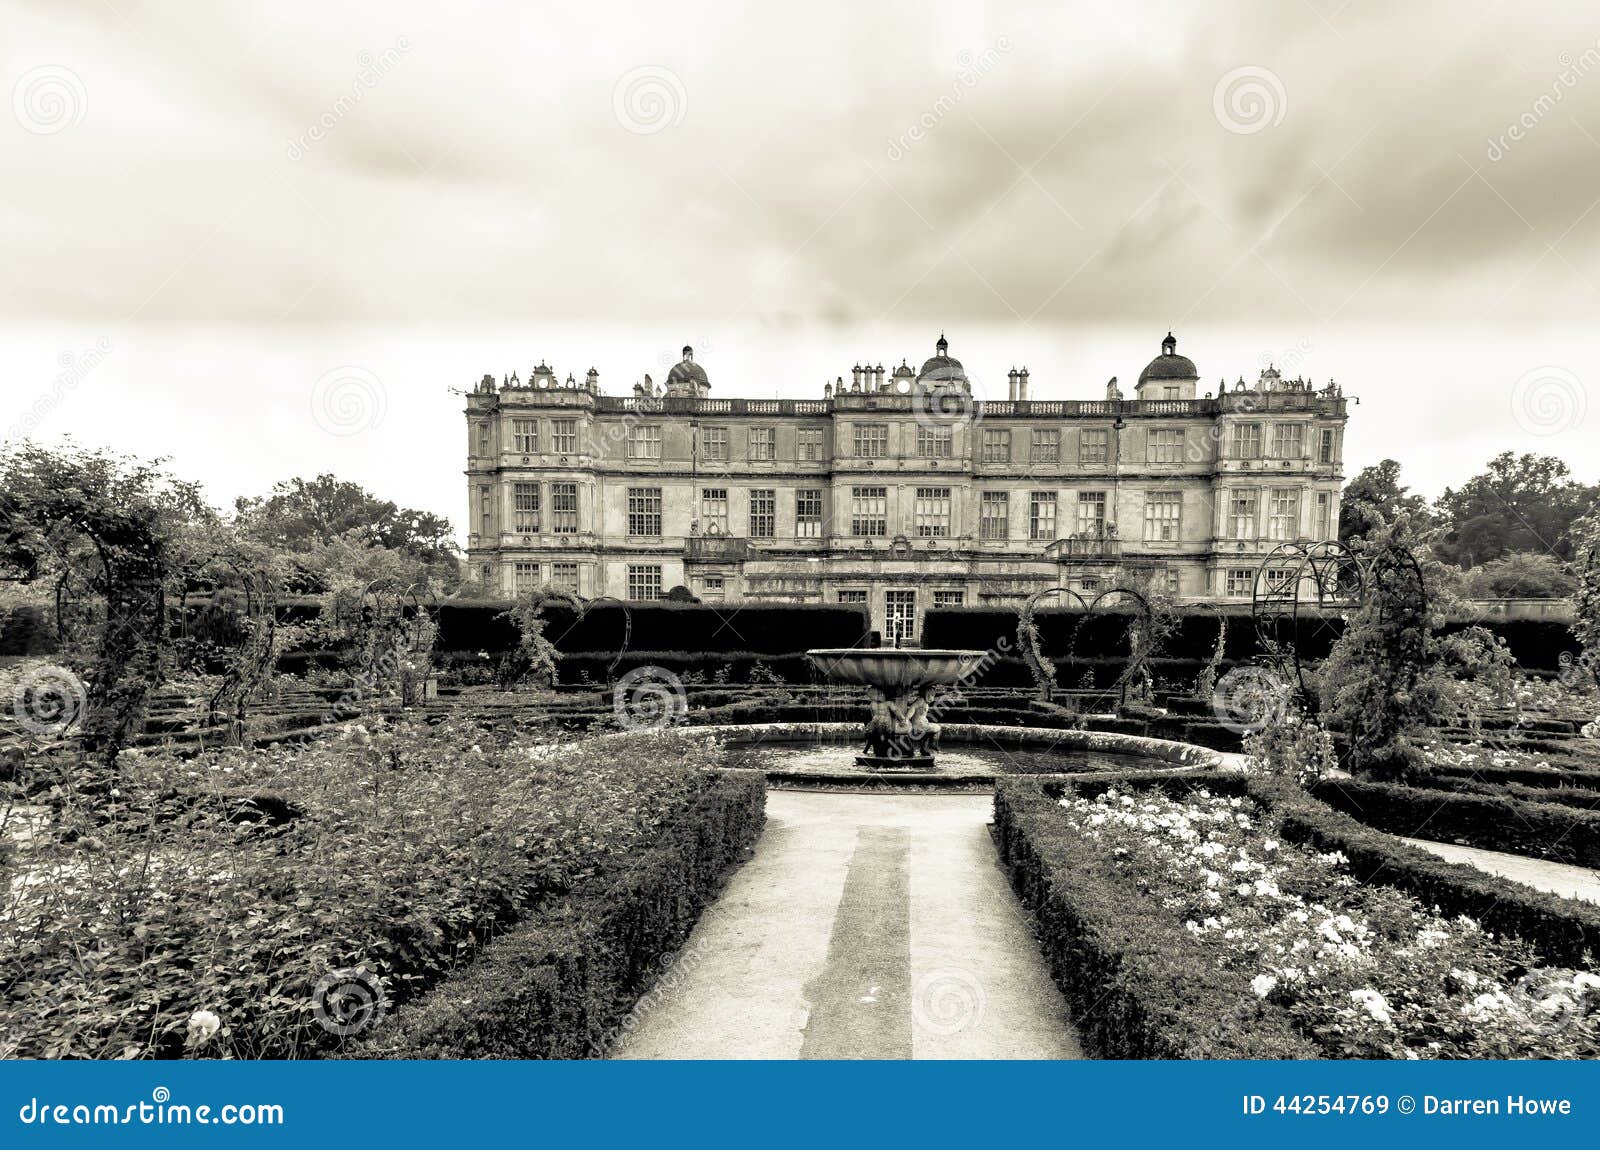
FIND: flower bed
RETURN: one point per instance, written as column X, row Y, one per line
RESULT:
column 225, row 887
column 1365, row 971
column 1209, row 905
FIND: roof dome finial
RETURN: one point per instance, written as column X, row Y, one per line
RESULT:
column 943, row 345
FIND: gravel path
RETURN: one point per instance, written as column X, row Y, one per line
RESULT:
column 866, row 926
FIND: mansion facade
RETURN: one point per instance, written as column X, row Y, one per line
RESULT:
column 897, row 491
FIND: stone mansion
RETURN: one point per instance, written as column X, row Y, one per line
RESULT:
column 899, row 490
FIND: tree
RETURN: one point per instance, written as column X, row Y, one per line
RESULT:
column 1521, row 503
column 301, row 516
column 1375, row 497
column 1520, row 575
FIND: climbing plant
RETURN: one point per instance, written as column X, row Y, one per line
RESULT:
column 1205, row 683
column 1586, row 600
column 535, row 656
column 102, row 529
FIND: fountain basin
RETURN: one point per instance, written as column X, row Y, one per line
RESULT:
column 901, row 733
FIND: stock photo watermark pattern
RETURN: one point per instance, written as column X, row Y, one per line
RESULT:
column 1549, row 400
column 349, row 1002
column 372, row 69
column 349, row 400
column 1249, row 99
column 49, row 99
column 649, row 698
column 49, row 701
column 649, row 99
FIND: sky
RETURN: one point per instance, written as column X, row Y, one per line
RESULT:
column 276, row 240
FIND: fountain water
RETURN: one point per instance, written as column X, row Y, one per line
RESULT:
column 900, row 732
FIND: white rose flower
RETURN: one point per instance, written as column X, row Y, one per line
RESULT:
column 1262, row 984
column 203, row 1026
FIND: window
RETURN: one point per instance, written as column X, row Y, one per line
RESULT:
column 1164, row 445
column 525, row 502
column 1092, row 513
column 1288, row 440
column 1089, row 585
column 644, row 441
column 1094, row 445
column 933, row 442
column 564, row 508
column 872, row 440
column 1280, row 581
column 713, row 590
column 1284, row 514
column 483, row 439
column 1042, row 515
column 525, row 576
column 1163, row 516
column 810, row 444
column 716, row 443
column 853, row 596
column 763, row 513
column 1170, row 392
column 1325, row 445
column 949, row 598
column 644, row 581
column 1242, row 514
column 869, row 511
column 1170, row 578
column 714, row 510
column 933, row 512
column 994, row 515
column 808, row 513
column 564, row 436
column 997, row 445
column 1322, row 523
column 1247, row 441
column 525, row 435
column 564, row 577
column 644, row 511
column 763, row 444
column 1241, row 582
column 1046, row 445
column 485, row 511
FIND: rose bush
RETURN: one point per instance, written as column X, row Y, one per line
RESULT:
column 195, row 906
column 1365, row 971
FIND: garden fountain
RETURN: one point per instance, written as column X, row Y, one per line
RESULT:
column 901, row 733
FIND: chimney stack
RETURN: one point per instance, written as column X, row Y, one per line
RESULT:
column 1022, row 383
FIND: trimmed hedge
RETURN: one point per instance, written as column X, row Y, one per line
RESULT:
column 562, row 984
column 759, row 628
column 1545, row 830
column 1138, row 986
column 1536, row 644
column 1562, row 931
column 27, row 630
column 1527, row 776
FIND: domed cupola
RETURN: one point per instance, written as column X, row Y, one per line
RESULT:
column 1169, row 375
column 687, row 379
column 942, row 370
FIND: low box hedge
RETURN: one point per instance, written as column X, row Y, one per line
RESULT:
column 1528, row 776
column 1137, row 985
column 1553, row 831
column 1562, row 931
column 562, row 984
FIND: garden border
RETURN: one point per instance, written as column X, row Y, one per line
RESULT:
column 566, row 982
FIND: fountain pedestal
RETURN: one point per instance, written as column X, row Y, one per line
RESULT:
column 902, row 683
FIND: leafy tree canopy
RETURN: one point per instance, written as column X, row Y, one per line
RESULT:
column 1521, row 503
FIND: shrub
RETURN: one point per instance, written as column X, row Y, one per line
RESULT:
column 562, row 985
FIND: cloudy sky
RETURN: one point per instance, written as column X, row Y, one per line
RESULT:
column 269, row 240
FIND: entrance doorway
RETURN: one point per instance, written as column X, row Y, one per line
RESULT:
column 900, row 618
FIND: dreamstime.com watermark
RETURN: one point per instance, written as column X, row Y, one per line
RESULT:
column 75, row 368
column 1249, row 99
column 1572, row 70
column 648, row 99
column 348, row 401
column 1549, row 400
column 649, row 698
column 158, row 1110
column 971, row 68
column 49, row 99
column 373, row 68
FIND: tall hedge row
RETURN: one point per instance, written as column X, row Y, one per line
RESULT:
column 759, row 628
column 1537, row 644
